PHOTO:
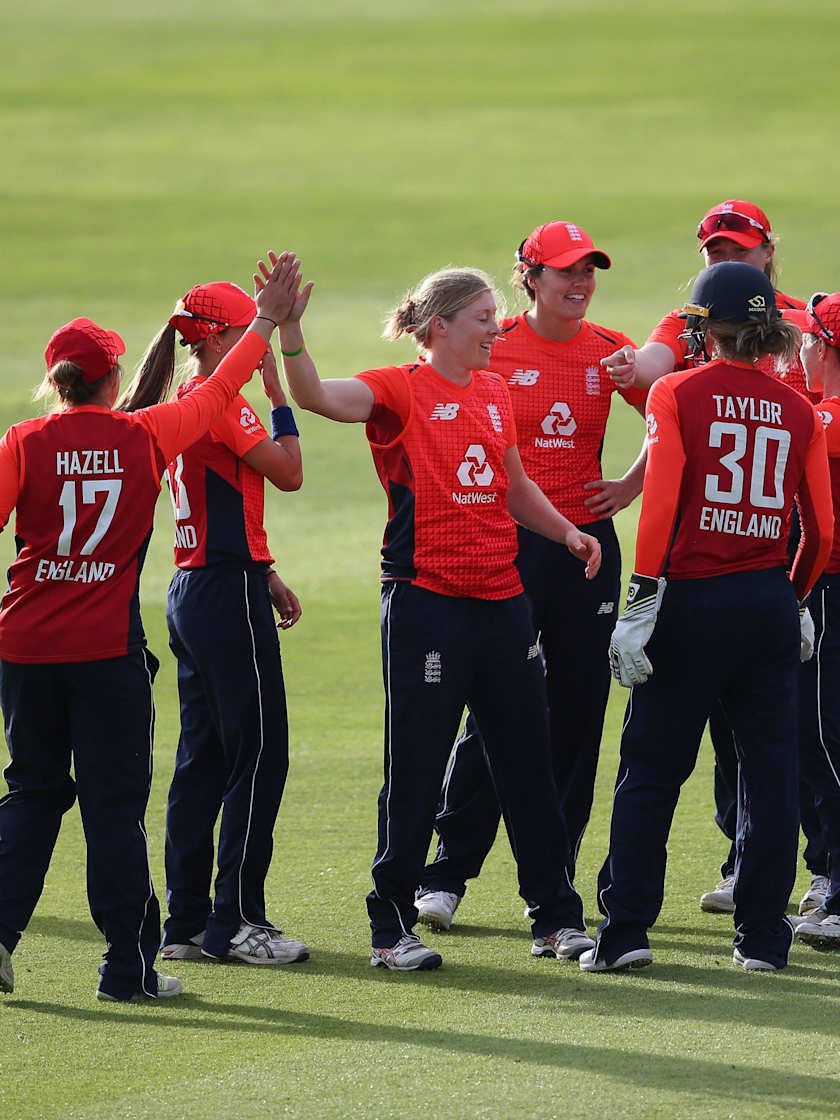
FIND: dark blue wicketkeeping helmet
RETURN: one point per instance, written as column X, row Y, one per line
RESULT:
column 732, row 291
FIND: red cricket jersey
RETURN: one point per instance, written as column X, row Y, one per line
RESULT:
column 85, row 482
column 669, row 329
column 561, row 401
column 439, row 452
column 217, row 498
column 728, row 448
column 828, row 411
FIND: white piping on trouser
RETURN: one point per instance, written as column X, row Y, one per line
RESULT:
column 387, row 675
column 151, row 893
column 406, row 932
column 440, row 852
column 602, row 893
column 246, row 921
column 819, row 690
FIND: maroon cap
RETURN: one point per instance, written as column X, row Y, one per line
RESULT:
column 212, row 308
column 559, row 245
column 94, row 350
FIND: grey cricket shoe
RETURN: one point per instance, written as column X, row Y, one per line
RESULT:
column 264, row 945
column 188, row 951
column 563, row 944
column 820, row 930
column 7, row 973
column 752, row 964
column 721, row 900
column 408, row 955
column 814, row 898
column 166, row 986
column 436, row 908
column 633, row 959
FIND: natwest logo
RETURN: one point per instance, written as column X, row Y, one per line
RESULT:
column 248, row 420
column 524, row 377
column 559, row 421
column 445, row 411
column 475, row 470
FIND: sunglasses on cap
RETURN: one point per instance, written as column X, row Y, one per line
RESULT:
column 520, row 256
column 811, row 309
column 730, row 220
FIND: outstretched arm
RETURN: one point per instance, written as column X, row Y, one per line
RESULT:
column 349, row 401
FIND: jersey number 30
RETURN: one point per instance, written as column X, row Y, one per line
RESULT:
column 779, row 438
column 111, row 487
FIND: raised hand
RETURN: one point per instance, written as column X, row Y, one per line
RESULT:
column 301, row 296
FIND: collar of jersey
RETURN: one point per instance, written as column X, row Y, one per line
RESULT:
column 549, row 344
column 453, row 386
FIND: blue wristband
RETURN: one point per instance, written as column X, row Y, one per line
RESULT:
column 283, row 422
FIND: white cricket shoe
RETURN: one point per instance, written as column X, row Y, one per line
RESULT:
column 820, row 930
column 563, row 944
column 7, row 973
column 634, row 958
column 436, row 908
column 189, row 951
column 166, row 986
column 262, row 945
column 752, row 964
column 407, row 955
column 721, row 899
column 814, row 899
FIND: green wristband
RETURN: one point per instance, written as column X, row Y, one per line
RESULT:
column 292, row 353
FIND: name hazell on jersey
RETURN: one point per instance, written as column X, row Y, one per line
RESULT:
column 88, row 462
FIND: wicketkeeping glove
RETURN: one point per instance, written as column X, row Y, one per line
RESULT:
column 806, row 634
column 633, row 630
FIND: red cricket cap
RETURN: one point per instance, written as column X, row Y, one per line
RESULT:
column 559, row 245
column 822, row 317
column 736, row 219
column 94, row 350
column 212, row 308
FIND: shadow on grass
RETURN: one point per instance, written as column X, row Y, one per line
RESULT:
column 782, row 1090
column 67, row 929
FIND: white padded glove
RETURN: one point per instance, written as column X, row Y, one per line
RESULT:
column 633, row 630
column 806, row 634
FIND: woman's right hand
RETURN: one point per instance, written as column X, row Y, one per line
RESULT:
column 278, row 287
column 621, row 366
column 299, row 298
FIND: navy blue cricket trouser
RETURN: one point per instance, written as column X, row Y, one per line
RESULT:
column 439, row 654
column 574, row 619
column 99, row 716
column 819, row 724
column 233, row 752
column 726, row 802
column 731, row 639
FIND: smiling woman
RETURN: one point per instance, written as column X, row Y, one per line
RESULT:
column 549, row 356
column 456, row 626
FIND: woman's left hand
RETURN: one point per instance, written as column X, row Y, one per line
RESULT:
column 271, row 379
column 284, row 601
column 610, row 496
column 585, row 548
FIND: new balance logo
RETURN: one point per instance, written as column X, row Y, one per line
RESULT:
column 445, row 411
column 606, row 608
column 432, row 674
column 475, row 470
column 524, row 377
column 559, row 421
column 593, row 381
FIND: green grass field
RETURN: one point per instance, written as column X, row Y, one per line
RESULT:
column 147, row 148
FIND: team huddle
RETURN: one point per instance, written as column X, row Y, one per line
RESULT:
column 500, row 588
